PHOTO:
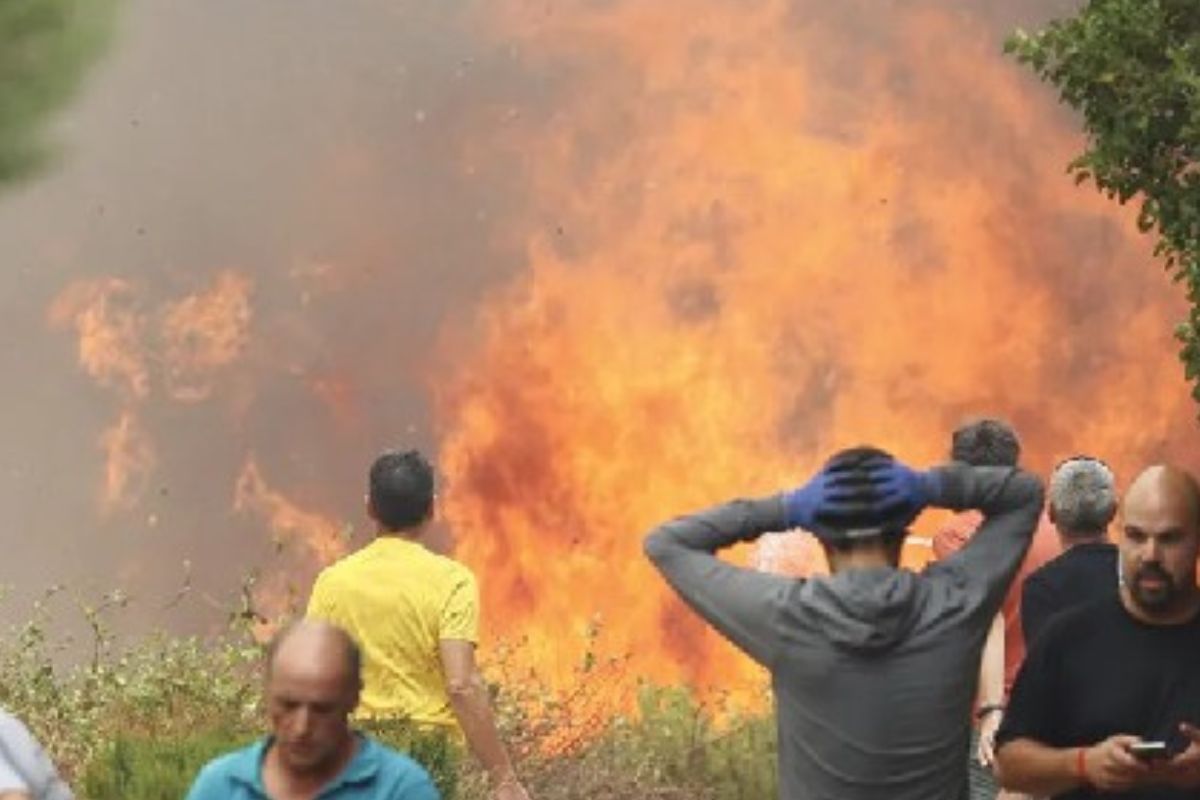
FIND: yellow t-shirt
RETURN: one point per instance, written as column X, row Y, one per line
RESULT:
column 399, row 600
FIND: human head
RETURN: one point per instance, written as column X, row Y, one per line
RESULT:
column 985, row 442
column 400, row 496
column 1083, row 498
column 1160, row 542
column 313, row 681
column 869, row 535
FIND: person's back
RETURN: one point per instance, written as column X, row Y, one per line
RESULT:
column 1043, row 549
column 888, row 659
column 399, row 600
column 1084, row 573
column 415, row 616
column 873, row 669
column 1082, row 503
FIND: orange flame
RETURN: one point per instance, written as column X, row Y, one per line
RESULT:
column 129, row 462
column 202, row 333
column 111, row 327
column 746, row 263
column 319, row 537
column 122, row 341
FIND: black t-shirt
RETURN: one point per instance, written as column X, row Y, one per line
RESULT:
column 1095, row 672
column 1084, row 573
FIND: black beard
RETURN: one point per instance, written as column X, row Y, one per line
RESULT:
column 1160, row 600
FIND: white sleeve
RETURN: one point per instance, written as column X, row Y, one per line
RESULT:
column 25, row 766
column 10, row 779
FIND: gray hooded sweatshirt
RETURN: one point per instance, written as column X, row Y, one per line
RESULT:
column 874, row 671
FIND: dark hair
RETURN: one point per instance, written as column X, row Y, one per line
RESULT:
column 864, row 523
column 401, row 491
column 986, row 443
column 891, row 540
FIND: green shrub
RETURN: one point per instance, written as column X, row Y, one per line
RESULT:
column 138, row 723
column 154, row 769
column 162, row 768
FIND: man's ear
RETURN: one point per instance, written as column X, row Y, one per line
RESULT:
column 1050, row 515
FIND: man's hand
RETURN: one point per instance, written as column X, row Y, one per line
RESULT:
column 986, row 752
column 510, row 789
column 859, row 488
column 1110, row 767
column 1183, row 771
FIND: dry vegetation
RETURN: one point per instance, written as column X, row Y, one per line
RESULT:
column 136, row 722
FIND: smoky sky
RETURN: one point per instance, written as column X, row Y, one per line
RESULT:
column 331, row 152
column 314, row 147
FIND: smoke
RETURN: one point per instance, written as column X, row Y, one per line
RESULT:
column 609, row 260
column 264, row 218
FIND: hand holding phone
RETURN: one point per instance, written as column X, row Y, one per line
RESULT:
column 1150, row 751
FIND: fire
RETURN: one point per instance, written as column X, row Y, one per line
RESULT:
column 750, row 234
column 307, row 539
column 136, row 350
column 202, row 333
column 110, row 323
column 322, row 539
column 129, row 462
column 758, row 238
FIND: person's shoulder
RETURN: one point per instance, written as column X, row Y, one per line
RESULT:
column 1081, row 561
column 401, row 771
column 1081, row 619
column 1044, row 576
column 216, row 778
column 449, row 568
column 341, row 565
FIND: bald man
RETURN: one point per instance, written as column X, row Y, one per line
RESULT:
column 1108, row 681
column 313, row 679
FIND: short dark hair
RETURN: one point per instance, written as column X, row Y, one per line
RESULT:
column 986, row 442
column 401, row 490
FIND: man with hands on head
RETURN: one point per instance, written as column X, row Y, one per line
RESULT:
column 874, row 668
column 1111, row 682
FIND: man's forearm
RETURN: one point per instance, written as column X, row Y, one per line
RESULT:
column 717, row 528
column 473, row 709
column 991, row 666
column 992, row 490
column 1034, row 768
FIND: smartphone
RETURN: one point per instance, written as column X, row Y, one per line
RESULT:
column 1149, row 751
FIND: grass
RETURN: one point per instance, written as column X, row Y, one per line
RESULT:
column 136, row 723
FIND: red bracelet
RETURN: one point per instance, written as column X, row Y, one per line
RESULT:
column 1081, row 764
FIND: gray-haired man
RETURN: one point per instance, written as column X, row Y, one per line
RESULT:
column 1082, row 501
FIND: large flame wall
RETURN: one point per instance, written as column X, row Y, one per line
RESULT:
column 759, row 235
column 608, row 261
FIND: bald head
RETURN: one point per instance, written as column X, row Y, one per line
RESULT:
column 317, row 648
column 1168, row 489
column 313, row 684
column 1159, row 545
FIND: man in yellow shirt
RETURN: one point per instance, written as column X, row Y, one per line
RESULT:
column 415, row 615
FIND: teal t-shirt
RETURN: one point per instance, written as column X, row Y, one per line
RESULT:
column 375, row 773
